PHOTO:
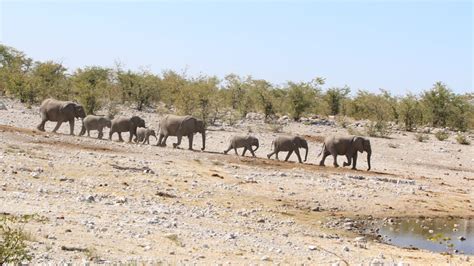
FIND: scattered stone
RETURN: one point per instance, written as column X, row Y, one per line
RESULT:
column 89, row 199
column 376, row 262
column 121, row 200
column 345, row 249
column 73, row 249
column 461, row 238
column 265, row 258
column 311, row 247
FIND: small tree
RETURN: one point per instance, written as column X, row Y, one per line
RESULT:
column 411, row 112
column 90, row 85
column 302, row 95
column 15, row 79
column 437, row 103
column 50, row 80
column 334, row 98
column 261, row 92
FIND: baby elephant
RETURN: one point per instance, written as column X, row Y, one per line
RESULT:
column 95, row 122
column 245, row 142
column 289, row 144
column 348, row 146
column 143, row 135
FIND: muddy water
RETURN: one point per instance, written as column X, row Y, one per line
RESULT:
column 438, row 235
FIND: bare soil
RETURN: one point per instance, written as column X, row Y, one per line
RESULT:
column 109, row 201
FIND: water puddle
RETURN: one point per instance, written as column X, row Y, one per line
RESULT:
column 448, row 235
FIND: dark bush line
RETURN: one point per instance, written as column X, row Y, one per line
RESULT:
column 211, row 98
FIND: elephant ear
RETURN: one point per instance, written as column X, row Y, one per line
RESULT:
column 79, row 111
column 358, row 143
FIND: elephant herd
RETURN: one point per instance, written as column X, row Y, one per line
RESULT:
column 179, row 126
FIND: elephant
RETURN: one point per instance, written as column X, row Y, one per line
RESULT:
column 246, row 142
column 348, row 146
column 143, row 135
column 125, row 124
column 95, row 122
column 179, row 126
column 289, row 144
column 60, row 111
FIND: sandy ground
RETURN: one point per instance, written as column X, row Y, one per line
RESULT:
column 122, row 202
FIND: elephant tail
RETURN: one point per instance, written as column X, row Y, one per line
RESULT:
column 322, row 149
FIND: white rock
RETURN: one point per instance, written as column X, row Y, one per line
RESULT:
column 311, row 247
column 265, row 258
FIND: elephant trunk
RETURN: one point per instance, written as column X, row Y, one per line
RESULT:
column 256, row 147
column 203, row 133
column 369, row 154
column 83, row 129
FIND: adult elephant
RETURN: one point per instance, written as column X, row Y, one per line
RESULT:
column 126, row 124
column 289, row 144
column 179, row 126
column 60, row 111
column 348, row 146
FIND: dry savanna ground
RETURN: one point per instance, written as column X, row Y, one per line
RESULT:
column 108, row 201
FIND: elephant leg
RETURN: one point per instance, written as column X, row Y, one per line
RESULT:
column 120, row 136
column 276, row 155
column 349, row 159
column 245, row 150
column 131, row 135
column 71, row 127
column 179, row 137
column 354, row 161
column 190, row 139
column 298, row 155
column 160, row 138
column 270, row 154
column 164, row 140
column 288, row 155
column 89, row 133
column 335, row 160
column 57, row 126
column 40, row 127
column 228, row 149
column 101, row 133
column 325, row 154
column 252, row 152
column 110, row 134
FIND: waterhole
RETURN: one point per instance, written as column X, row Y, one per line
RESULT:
column 444, row 235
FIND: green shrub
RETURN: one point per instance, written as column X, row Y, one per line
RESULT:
column 275, row 128
column 354, row 131
column 13, row 248
column 421, row 137
column 441, row 135
column 343, row 121
column 377, row 129
column 462, row 139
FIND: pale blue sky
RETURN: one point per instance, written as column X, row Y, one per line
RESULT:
column 399, row 46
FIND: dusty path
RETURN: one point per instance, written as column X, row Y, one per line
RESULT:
column 124, row 202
